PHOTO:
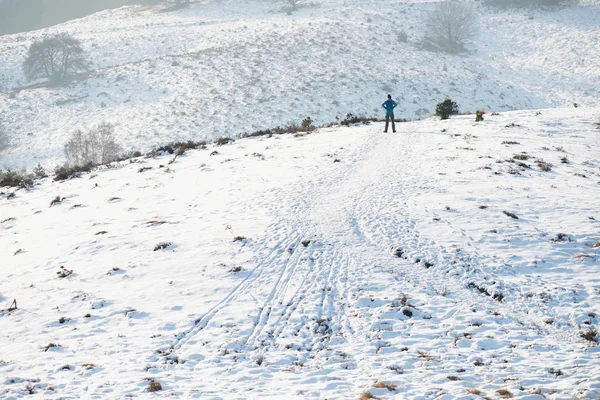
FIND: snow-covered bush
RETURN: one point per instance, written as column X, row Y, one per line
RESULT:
column 446, row 108
column 55, row 58
column 449, row 25
column 96, row 147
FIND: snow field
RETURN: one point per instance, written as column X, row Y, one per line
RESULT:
column 368, row 265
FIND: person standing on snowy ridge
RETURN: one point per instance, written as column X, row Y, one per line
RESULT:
column 389, row 106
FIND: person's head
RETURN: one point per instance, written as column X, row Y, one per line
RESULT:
column 389, row 96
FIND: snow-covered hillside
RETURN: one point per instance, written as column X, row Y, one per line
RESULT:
column 386, row 264
column 223, row 68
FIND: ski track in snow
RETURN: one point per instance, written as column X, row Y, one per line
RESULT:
column 349, row 276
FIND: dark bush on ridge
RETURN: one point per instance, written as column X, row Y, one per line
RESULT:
column 446, row 108
column 13, row 178
column 67, row 171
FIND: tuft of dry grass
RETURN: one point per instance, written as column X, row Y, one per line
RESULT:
column 522, row 156
column 474, row 391
column 453, row 378
column 367, row 395
column 505, row 394
column 154, row 386
column 543, row 165
column 597, row 245
column 384, row 385
column 581, row 256
column 590, row 335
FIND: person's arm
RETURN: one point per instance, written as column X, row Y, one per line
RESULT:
column 383, row 105
column 394, row 104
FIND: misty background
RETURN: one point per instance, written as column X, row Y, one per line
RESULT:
column 26, row 15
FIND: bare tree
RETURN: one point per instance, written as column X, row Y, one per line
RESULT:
column 450, row 25
column 55, row 58
column 96, row 147
column 294, row 4
column 3, row 137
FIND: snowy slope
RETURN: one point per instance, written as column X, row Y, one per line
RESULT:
column 220, row 69
column 367, row 258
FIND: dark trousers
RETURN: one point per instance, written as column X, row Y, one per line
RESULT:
column 387, row 122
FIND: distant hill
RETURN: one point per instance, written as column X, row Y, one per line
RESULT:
column 26, row 15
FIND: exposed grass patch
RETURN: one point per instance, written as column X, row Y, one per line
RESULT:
column 223, row 141
column 590, row 335
column 512, row 215
column 154, row 386
column 474, row 391
column 556, row 372
column 508, row 142
column 367, row 395
column 56, row 200
column 453, row 378
column 522, row 156
column 505, row 394
column 162, row 245
column 51, row 345
column 384, row 385
column 543, row 165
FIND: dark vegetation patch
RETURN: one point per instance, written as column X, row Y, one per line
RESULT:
column 63, row 272
column 561, row 237
column 590, row 335
column 512, row 215
column 162, row 245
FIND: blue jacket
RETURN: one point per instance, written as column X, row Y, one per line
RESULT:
column 389, row 106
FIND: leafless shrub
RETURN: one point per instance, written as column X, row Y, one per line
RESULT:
column 293, row 5
column 96, row 147
column 3, row 137
column 450, row 25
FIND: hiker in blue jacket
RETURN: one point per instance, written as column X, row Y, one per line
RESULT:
column 389, row 106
